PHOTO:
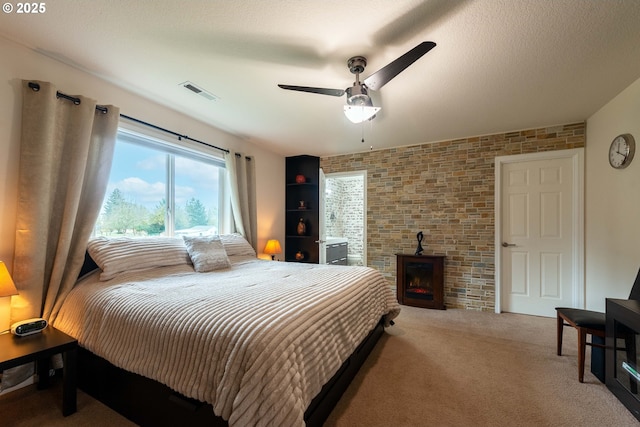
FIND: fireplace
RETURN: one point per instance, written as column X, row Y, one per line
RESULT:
column 420, row 280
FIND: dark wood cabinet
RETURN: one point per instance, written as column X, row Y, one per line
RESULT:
column 302, row 204
column 622, row 358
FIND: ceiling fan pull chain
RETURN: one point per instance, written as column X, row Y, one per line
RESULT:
column 362, row 130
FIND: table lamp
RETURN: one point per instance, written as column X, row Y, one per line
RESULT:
column 272, row 248
column 7, row 288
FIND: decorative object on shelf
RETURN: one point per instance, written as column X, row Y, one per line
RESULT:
column 300, row 179
column 622, row 150
column 302, row 227
column 7, row 289
column 299, row 256
column 272, row 248
column 302, row 204
column 419, row 249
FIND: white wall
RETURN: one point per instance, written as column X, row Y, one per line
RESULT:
column 20, row 63
column 612, row 216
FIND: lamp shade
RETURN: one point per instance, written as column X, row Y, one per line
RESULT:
column 272, row 247
column 7, row 287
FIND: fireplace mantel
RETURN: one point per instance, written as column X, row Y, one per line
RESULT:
column 420, row 280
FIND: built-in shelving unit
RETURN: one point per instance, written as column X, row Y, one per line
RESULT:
column 307, row 192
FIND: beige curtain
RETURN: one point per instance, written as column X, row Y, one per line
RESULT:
column 65, row 159
column 241, row 179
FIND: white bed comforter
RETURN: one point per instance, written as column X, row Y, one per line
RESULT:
column 257, row 341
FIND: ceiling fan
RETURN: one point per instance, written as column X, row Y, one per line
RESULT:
column 359, row 106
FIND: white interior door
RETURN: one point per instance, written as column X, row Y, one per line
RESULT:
column 539, row 241
column 322, row 247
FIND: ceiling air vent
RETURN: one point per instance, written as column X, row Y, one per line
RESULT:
column 199, row 91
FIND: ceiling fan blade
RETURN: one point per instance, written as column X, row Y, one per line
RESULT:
column 320, row 90
column 381, row 77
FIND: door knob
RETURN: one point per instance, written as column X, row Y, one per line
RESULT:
column 507, row 245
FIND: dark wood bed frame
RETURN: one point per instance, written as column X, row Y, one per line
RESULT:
column 149, row 403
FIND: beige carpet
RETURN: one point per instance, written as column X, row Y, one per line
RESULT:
column 28, row 407
column 433, row 368
column 468, row 368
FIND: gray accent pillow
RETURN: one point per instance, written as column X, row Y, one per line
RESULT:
column 207, row 253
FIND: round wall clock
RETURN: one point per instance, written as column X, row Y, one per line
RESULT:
column 621, row 151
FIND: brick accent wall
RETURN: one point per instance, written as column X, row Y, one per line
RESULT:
column 446, row 190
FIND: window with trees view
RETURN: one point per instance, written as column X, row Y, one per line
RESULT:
column 158, row 189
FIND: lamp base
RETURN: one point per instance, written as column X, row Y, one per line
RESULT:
column 5, row 313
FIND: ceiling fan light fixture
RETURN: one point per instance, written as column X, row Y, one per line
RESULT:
column 359, row 100
column 359, row 106
column 360, row 113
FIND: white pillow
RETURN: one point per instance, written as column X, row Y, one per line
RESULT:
column 207, row 253
column 120, row 254
column 236, row 244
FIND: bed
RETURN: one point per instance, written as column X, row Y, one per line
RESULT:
column 238, row 340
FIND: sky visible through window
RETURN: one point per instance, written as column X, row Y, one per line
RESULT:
column 140, row 173
column 135, row 200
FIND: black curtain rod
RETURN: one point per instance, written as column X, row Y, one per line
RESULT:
column 180, row 137
column 104, row 110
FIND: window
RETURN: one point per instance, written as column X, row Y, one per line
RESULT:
column 160, row 189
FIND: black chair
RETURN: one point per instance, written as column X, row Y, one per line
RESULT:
column 587, row 322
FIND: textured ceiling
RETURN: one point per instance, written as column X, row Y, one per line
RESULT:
column 499, row 65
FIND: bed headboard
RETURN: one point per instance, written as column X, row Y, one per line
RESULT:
column 88, row 266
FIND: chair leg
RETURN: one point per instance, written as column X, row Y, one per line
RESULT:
column 560, row 330
column 582, row 344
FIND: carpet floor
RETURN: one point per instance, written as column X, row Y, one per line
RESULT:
column 433, row 368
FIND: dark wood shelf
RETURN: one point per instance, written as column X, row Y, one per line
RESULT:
column 308, row 192
column 621, row 357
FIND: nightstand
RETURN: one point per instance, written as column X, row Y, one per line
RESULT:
column 15, row 351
